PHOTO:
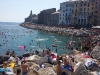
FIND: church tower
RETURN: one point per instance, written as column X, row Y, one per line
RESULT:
column 31, row 13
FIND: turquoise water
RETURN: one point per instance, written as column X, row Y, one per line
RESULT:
column 17, row 35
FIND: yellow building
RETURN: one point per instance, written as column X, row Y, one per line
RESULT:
column 91, row 17
column 97, row 11
column 83, row 11
column 75, row 12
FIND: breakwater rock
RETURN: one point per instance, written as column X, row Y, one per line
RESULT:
column 58, row 30
column 96, row 53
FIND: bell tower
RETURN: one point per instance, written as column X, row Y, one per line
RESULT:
column 31, row 13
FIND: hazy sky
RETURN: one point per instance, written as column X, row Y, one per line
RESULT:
column 17, row 10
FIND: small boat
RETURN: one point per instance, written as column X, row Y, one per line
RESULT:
column 54, row 45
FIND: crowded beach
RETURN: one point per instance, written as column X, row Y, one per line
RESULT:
column 83, row 32
column 84, row 60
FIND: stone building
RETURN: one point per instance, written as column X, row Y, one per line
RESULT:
column 41, row 17
column 31, row 18
column 55, row 18
column 44, row 17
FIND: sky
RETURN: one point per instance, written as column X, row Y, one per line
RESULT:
column 18, row 10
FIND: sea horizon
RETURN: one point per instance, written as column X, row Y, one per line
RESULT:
column 9, row 22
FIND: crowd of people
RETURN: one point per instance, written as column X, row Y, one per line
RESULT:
column 63, row 62
column 17, row 65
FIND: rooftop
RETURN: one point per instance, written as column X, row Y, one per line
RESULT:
column 55, row 13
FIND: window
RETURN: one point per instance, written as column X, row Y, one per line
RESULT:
column 81, row 9
column 88, row 13
column 78, row 20
column 66, row 14
column 96, row 12
column 81, row 20
column 88, row 5
column 92, row 4
column 84, row 21
column 75, row 14
column 63, row 14
column 96, row 3
column 92, row 8
column 76, row 10
column 63, row 10
column 76, row 5
column 96, row 7
column 92, row 12
column 66, row 9
column 96, row 16
column 70, row 9
column 60, row 17
column 88, row 8
column 81, row 4
column 84, row 4
column 66, row 5
column 84, row 8
column 84, row 16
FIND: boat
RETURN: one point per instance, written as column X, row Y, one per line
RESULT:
column 54, row 45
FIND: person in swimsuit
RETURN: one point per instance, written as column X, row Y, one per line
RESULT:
column 25, row 68
column 5, row 64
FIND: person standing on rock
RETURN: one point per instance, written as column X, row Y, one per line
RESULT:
column 25, row 68
column 43, row 53
column 8, row 52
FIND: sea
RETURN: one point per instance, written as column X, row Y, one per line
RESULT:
column 12, row 36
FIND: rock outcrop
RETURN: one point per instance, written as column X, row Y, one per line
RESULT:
column 96, row 53
column 46, row 71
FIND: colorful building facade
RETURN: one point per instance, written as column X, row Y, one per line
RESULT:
column 84, row 13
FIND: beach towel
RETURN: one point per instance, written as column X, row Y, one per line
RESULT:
column 89, row 63
column 68, row 68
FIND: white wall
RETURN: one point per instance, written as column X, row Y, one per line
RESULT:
column 63, row 11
